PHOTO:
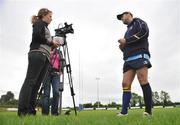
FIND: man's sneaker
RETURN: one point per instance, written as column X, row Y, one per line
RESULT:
column 146, row 114
column 121, row 115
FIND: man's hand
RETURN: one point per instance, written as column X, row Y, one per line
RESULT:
column 121, row 46
column 122, row 43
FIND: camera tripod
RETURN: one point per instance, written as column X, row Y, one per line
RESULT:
column 65, row 62
column 69, row 71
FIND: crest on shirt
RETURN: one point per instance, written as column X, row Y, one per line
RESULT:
column 130, row 28
column 145, row 62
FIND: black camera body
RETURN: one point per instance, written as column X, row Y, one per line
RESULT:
column 61, row 32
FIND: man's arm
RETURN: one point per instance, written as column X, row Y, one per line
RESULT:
column 142, row 33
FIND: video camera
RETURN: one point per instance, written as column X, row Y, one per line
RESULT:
column 64, row 30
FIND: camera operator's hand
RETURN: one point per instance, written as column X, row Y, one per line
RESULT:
column 55, row 44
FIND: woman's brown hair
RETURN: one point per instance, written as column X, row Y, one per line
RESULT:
column 42, row 12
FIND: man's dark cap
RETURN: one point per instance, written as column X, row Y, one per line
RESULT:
column 120, row 15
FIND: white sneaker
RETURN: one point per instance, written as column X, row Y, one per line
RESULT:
column 146, row 114
column 121, row 115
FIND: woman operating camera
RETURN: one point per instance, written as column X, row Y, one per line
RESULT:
column 38, row 61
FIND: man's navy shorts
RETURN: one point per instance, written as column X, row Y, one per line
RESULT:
column 136, row 64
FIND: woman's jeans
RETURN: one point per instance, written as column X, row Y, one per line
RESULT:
column 37, row 69
column 54, row 80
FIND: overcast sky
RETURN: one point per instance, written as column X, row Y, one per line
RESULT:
column 93, row 47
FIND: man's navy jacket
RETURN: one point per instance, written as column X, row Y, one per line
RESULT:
column 136, row 38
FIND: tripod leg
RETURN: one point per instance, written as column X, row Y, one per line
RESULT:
column 39, row 94
column 61, row 88
column 60, row 102
column 42, row 85
column 74, row 105
column 72, row 92
column 68, row 69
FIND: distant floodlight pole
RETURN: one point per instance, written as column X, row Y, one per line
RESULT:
column 97, row 78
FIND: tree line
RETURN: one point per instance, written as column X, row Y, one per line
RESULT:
column 159, row 99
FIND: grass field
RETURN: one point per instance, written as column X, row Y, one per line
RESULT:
column 169, row 116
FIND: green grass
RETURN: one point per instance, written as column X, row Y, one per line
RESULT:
column 103, row 117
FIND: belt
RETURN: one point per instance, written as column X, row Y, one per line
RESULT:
column 139, row 56
column 55, row 73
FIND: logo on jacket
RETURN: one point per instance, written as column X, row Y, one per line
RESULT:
column 145, row 62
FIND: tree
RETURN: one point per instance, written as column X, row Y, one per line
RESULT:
column 155, row 98
column 134, row 99
column 10, row 96
column 88, row 105
column 6, row 98
column 112, row 104
column 165, row 98
column 96, row 104
column 140, row 101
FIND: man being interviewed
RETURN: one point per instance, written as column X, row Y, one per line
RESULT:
column 136, row 55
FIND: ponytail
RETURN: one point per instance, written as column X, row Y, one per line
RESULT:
column 34, row 19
